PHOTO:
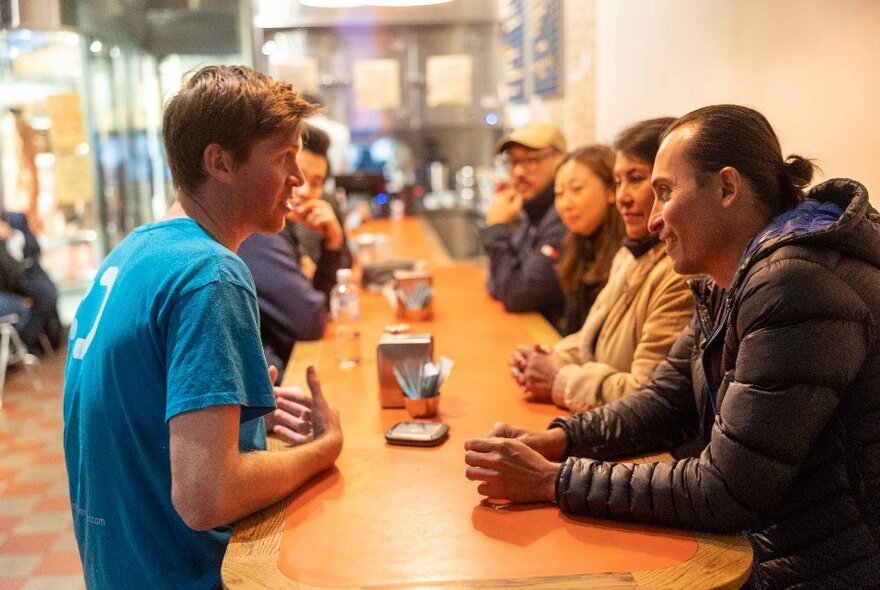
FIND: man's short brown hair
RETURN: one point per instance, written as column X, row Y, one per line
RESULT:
column 233, row 106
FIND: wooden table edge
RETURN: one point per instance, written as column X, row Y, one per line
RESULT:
column 251, row 563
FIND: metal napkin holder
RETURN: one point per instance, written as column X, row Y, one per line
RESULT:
column 414, row 291
column 395, row 348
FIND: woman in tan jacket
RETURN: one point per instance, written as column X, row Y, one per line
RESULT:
column 635, row 318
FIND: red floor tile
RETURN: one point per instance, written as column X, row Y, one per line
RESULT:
column 53, row 504
column 8, row 474
column 17, row 544
column 51, row 421
column 9, row 522
column 50, row 459
column 30, row 436
column 16, row 413
column 30, row 488
column 18, row 447
column 61, row 563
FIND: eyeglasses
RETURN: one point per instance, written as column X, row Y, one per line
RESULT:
column 527, row 162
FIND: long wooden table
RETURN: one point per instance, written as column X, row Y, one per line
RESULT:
column 397, row 517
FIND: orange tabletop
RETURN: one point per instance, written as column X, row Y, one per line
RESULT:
column 408, row 517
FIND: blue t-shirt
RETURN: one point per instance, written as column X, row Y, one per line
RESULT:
column 170, row 325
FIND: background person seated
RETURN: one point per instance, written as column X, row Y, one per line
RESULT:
column 778, row 374
column 318, row 234
column 643, row 308
column 584, row 200
column 14, row 309
column 21, row 274
column 522, row 275
column 292, row 299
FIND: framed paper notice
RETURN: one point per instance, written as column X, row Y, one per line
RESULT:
column 448, row 79
column 302, row 73
column 377, row 84
column 546, row 33
column 67, row 130
column 73, row 179
column 513, row 50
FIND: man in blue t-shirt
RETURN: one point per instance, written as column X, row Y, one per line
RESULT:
column 166, row 378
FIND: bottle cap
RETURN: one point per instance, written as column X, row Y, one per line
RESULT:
column 343, row 275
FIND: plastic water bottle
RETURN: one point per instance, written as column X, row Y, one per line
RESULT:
column 345, row 310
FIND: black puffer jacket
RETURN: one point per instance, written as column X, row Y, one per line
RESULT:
column 780, row 375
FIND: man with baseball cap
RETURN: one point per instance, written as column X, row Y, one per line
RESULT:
column 521, row 262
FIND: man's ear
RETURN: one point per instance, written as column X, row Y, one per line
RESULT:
column 731, row 186
column 218, row 162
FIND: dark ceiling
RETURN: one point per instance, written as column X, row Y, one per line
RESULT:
column 163, row 27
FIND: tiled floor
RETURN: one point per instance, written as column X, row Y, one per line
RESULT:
column 37, row 548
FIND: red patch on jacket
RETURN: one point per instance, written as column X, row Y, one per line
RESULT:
column 550, row 252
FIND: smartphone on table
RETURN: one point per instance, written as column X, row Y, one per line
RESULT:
column 419, row 434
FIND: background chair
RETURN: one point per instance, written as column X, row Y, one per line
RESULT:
column 13, row 351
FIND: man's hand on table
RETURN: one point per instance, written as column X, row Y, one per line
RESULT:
column 514, row 464
column 299, row 418
column 325, row 420
column 292, row 418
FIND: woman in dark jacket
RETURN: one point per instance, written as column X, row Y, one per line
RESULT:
column 779, row 372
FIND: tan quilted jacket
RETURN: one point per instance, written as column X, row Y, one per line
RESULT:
column 631, row 326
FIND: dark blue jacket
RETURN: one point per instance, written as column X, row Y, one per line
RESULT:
column 522, row 273
column 292, row 307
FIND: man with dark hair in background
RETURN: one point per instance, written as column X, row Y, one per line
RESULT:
column 315, row 230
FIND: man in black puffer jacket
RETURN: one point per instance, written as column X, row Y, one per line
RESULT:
column 779, row 372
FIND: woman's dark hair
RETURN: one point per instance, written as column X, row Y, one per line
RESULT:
column 597, row 157
column 587, row 259
column 642, row 140
column 740, row 137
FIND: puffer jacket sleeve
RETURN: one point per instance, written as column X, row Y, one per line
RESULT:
column 668, row 310
column 523, row 277
column 775, row 402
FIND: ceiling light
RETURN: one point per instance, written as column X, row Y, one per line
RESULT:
column 269, row 47
column 331, row 3
column 356, row 3
column 405, row 2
